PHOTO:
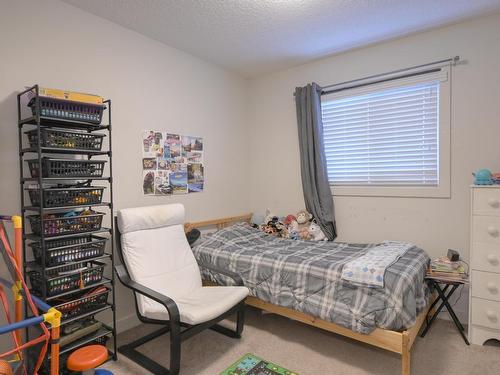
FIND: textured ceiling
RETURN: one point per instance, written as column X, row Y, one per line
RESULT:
column 255, row 37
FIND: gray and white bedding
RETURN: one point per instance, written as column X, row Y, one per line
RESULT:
column 307, row 276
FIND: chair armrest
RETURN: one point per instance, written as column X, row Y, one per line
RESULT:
column 169, row 303
column 233, row 275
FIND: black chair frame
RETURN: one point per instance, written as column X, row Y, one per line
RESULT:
column 179, row 331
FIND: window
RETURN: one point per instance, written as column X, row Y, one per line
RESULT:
column 389, row 138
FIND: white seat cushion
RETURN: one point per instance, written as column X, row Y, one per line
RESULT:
column 157, row 255
column 202, row 304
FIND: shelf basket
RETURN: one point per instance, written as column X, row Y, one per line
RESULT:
column 88, row 302
column 76, row 249
column 60, row 224
column 71, row 195
column 65, row 140
column 68, row 278
column 68, row 110
column 54, row 168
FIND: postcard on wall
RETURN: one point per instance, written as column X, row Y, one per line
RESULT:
column 195, row 177
column 171, row 163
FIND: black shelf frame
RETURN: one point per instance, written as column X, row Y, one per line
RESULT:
column 38, row 122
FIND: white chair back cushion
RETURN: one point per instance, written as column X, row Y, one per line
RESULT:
column 157, row 253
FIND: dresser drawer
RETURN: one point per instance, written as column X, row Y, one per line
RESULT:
column 486, row 201
column 486, row 285
column 485, row 313
column 486, row 229
column 485, row 257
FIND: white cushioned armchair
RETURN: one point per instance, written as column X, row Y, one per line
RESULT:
column 159, row 266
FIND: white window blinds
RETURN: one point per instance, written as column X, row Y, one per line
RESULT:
column 385, row 136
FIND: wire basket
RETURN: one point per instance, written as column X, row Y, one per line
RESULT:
column 60, row 224
column 91, row 301
column 70, row 195
column 68, row 278
column 65, row 139
column 68, row 110
column 63, row 358
column 67, row 168
column 76, row 249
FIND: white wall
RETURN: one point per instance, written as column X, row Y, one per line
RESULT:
column 433, row 224
column 151, row 86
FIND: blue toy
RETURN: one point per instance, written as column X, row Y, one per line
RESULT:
column 483, row 177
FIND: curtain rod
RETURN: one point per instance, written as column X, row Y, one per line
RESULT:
column 352, row 84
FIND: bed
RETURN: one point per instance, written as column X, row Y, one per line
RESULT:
column 301, row 280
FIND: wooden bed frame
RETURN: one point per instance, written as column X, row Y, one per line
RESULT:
column 394, row 341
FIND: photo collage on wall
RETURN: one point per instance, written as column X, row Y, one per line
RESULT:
column 172, row 164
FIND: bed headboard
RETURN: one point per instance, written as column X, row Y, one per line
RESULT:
column 218, row 223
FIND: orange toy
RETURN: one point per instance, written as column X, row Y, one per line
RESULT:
column 13, row 258
column 5, row 368
column 87, row 358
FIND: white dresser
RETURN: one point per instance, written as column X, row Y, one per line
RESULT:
column 484, row 303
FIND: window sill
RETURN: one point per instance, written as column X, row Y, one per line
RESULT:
column 392, row 191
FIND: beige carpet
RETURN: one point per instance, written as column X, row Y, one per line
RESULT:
column 310, row 351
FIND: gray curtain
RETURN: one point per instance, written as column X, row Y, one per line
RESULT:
column 317, row 194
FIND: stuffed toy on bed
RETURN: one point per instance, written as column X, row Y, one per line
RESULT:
column 301, row 224
column 316, row 232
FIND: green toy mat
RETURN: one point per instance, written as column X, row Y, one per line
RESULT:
column 250, row 364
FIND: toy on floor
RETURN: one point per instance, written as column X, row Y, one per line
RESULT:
column 250, row 364
column 86, row 359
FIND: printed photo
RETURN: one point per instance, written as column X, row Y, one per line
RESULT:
column 173, row 139
column 155, row 140
column 195, row 177
column 195, row 157
column 162, row 184
column 191, row 144
column 166, row 150
column 178, row 182
column 196, row 144
column 162, row 164
column 186, row 144
column 148, row 182
column 149, row 163
column 148, row 137
column 175, row 150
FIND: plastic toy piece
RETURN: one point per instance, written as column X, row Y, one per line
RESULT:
column 483, row 177
column 13, row 259
column 86, row 359
column 5, row 368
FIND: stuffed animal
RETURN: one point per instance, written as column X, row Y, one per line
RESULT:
column 269, row 229
column 272, row 225
column 316, row 232
column 293, row 235
column 289, row 219
column 268, row 216
column 302, row 227
column 303, row 217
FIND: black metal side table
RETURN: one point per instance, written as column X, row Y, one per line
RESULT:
column 444, row 295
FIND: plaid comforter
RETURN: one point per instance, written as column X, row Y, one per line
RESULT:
column 306, row 276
